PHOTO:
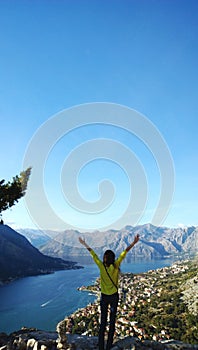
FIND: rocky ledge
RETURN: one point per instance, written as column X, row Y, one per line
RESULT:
column 33, row 339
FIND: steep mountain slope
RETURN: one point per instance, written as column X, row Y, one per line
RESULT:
column 154, row 242
column 19, row 258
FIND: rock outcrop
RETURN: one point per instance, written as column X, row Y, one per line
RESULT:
column 33, row 339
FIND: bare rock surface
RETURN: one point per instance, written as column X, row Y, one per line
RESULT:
column 33, row 339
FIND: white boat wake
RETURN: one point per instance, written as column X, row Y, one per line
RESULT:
column 59, row 288
column 47, row 302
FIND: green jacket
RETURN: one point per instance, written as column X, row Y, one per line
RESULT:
column 107, row 287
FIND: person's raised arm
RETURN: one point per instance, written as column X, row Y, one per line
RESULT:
column 136, row 239
column 82, row 241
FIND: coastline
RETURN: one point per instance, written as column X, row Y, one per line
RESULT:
column 137, row 292
column 129, row 331
column 9, row 280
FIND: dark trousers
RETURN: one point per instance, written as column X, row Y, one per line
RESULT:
column 105, row 301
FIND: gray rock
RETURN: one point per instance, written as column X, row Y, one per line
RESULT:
column 41, row 340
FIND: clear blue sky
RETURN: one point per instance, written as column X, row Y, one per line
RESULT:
column 142, row 54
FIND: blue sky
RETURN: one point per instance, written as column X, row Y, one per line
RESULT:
column 141, row 54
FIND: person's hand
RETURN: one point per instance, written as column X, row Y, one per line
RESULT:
column 82, row 241
column 136, row 239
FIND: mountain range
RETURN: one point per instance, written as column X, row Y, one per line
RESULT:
column 155, row 242
column 19, row 258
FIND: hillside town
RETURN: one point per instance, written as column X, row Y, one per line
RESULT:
column 157, row 311
column 143, row 301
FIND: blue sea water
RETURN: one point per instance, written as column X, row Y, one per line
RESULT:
column 42, row 301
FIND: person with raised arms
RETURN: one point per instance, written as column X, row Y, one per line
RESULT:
column 109, row 274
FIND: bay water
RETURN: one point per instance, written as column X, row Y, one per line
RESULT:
column 42, row 301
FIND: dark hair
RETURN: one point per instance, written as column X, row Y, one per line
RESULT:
column 109, row 257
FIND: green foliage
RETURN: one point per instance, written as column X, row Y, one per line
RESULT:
column 168, row 312
column 12, row 191
column 86, row 324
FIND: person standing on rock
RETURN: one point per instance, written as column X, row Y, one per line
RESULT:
column 109, row 273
